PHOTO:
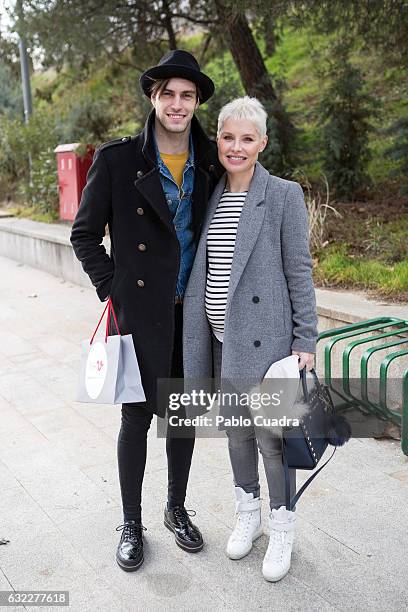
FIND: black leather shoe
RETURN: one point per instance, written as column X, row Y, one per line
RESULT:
column 187, row 536
column 129, row 554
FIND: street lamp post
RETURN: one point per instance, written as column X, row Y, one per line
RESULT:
column 25, row 80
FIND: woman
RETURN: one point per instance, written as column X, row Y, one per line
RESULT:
column 250, row 302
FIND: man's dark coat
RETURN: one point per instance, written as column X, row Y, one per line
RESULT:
column 124, row 191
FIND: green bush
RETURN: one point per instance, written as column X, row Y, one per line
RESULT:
column 27, row 160
column 398, row 152
column 86, row 120
column 13, row 157
column 10, row 92
column 42, row 188
column 345, row 112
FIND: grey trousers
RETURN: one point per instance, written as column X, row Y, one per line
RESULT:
column 243, row 444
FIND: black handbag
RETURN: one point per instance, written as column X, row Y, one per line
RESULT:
column 303, row 445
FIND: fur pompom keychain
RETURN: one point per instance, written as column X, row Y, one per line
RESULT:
column 338, row 430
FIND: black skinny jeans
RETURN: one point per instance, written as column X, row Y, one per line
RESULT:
column 132, row 444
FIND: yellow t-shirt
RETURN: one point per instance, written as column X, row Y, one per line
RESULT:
column 175, row 163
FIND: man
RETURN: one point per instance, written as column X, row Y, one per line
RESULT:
column 152, row 191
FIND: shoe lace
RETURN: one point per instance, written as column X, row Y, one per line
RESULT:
column 242, row 525
column 182, row 515
column 131, row 531
column 277, row 544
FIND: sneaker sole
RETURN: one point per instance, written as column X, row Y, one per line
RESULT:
column 183, row 546
column 256, row 535
column 129, row 568
column 275, row 578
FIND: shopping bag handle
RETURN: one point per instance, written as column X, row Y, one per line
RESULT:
column 110, row 309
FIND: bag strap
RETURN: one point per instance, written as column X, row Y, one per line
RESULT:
column 109, row 308
column 304, row 382
column 304, row 385
column 290, row 503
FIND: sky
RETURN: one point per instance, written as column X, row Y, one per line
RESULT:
column 5, row 25
column 4, row 18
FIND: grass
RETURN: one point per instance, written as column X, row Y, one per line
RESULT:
column 366, row 249
column 33, row 213
column 340, row 269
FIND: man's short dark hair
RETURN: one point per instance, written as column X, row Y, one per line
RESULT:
column 159, row 85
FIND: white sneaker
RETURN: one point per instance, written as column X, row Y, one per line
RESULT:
column 248, row 526
column 276, row 562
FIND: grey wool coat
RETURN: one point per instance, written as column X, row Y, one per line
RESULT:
column 272, row 264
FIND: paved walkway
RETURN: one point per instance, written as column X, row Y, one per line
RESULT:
column 60, row 499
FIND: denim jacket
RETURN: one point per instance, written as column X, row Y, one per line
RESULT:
column 180, row 205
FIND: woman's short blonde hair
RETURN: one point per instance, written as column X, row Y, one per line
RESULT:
column 244, row 108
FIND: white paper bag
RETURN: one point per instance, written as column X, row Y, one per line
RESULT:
column 109, row 370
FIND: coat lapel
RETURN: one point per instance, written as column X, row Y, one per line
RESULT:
column 249, row 226
column 212, row 205
column 196, row 284
column 149, row 184
column 150, row 188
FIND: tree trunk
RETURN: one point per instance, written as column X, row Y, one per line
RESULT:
column 254, row 75
column 169, row 25
column 245, row 53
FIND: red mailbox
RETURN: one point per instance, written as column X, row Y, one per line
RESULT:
column 72, row 170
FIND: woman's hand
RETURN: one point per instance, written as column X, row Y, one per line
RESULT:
column 305, row 359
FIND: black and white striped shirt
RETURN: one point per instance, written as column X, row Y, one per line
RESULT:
column 221, row 238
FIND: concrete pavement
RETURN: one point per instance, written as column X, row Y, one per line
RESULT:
column 60, row 500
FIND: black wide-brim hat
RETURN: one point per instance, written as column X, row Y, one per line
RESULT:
column 180, row 64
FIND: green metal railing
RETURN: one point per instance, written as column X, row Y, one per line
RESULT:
column 389, row 329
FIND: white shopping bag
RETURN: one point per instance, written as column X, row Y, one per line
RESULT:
column 109, row 370
column 281, row 382
column 284, row 368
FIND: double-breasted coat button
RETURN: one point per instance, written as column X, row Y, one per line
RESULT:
column 255, row 299
column 140, row 211
column 257, row 343
column 140, row 283
column 139, row 173
column 141, row 247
